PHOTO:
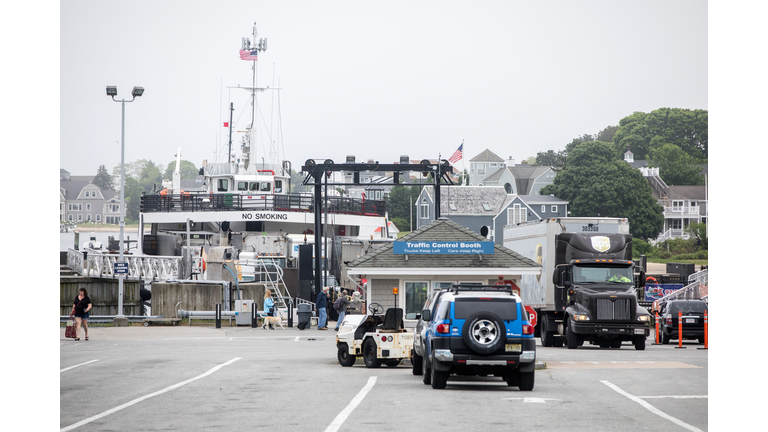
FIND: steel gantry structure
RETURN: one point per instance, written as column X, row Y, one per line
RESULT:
column 319, row 173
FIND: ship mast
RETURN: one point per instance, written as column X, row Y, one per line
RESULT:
column 254, row 48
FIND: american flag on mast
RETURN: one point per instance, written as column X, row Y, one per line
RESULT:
column 457, row 154
column 248, row 54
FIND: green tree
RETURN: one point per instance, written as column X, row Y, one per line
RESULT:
column 187, row 170
column 675, row 166
column 685, row 128
column 400, row 202
column 595, row 183
column 698, row 233
column 606, row 135
column 296, row 186
column 103, row 179
column 133, row 191
column 551, row 158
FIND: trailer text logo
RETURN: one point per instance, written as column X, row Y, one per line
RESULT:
column 442, row 247
column 601, row 243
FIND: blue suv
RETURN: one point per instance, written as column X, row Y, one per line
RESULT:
column 477, row 330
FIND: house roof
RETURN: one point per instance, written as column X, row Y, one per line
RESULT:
column 469, row 200
column 525, row 177
column 487, row 156
column 72, row 189
column 696, row 193
column 443, row 229
column 541, row 199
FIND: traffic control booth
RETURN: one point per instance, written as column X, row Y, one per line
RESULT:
column 404, row 273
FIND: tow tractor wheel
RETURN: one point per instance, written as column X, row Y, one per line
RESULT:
column 345, row 359
column 370, row 354
column 392, row 363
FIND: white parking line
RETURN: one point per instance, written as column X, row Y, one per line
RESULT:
column 652, row 409
column 77, row 365
column 137, row 400
column 339, row 420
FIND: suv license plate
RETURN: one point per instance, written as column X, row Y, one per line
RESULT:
column 689, row 321
column 513, row 347
column 639, row 331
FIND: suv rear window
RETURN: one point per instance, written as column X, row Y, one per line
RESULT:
column 685, row 307
column 506, row 309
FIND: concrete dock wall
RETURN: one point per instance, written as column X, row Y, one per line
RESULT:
column 199, row 296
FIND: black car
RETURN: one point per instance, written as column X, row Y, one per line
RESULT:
column 692, row 316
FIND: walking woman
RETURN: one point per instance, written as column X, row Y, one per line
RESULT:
column 269, row 305
column 82, row 309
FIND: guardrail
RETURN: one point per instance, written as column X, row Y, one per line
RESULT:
column 697, row 289
column 91, row 263
column 188, row 202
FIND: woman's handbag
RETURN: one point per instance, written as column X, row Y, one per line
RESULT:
column 70, row 331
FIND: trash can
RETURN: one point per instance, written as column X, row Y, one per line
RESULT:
column 305, row 313
column 228, row 199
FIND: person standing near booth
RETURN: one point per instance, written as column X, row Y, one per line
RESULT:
column 321, row 304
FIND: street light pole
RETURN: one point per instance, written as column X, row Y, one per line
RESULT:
column 120, row 319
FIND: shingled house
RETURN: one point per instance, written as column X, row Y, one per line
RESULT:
column 416, row 275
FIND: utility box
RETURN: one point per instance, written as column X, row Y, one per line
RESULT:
column 683, row 269
column 244, row 307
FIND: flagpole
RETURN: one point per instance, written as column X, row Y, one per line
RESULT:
column 463, row 164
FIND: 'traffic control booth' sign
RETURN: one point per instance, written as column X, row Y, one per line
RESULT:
column 442, row 247
column 121, row 268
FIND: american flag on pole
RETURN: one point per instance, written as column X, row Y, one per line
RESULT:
column 248, row 55
column 457, row 154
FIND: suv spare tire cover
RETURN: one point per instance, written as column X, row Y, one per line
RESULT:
column 484, row 332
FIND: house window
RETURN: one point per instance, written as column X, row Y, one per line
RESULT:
column 543, row 208
column 88, row 217
column 677, row 205
column 481, row 169
column 415, row 296
column 554, row 209
column 677, row 223
column 88, row 207
column 98, row 218
column 508, row 188
column 486, row 207
column 516, row 215
column 79, row 218
column 69, row 218
column 424, row 213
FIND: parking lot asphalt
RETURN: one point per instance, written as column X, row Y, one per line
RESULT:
column 239, row 378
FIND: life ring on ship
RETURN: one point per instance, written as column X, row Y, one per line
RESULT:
column 650, row 279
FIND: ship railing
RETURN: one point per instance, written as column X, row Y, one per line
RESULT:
column 140, row 267
column 242, row 201
column 697, row 289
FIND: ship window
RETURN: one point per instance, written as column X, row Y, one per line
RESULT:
column 242, row 186
column 265, row 187
column 223, row 185
column 278, row 186
column 254, row 186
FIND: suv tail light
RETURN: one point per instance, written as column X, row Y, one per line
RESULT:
column 527, row 329
column 669, row 321
column 443, row 328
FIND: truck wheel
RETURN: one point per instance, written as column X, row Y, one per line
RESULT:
column 546, row 336
column 439, row 378
column 416, row 361
column 571, row 340
column 526, row 381
column 484, row 332
column 426, row 374
column 392, row 363
column 345, row 359
column 369, row 354
column 616, row 343
column 639, row 342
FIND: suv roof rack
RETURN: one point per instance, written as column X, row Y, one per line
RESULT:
column 494, row 288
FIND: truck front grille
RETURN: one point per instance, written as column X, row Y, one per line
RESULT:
column 608, row 309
